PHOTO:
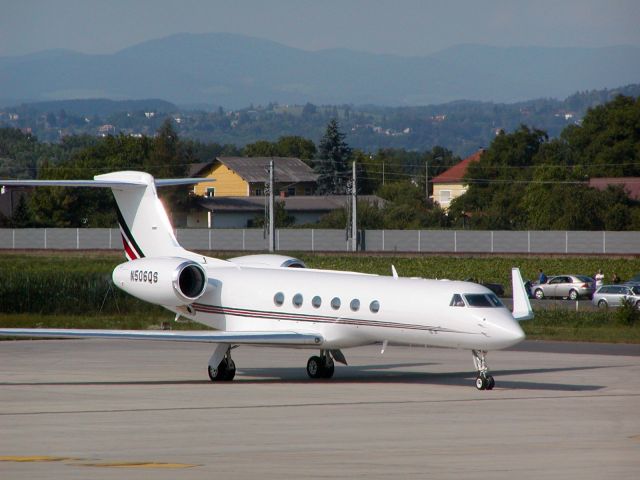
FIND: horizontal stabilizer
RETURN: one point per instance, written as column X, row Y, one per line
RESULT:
column 98, row 182
column 204, row 336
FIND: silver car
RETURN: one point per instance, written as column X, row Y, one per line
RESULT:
column 565, row 286
column 614, row 295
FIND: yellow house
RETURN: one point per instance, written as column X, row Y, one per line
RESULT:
column 247, row 176
column 450, row 184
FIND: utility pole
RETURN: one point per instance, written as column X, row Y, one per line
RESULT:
column 426, row 180
column 354, row 223
column 272, row 229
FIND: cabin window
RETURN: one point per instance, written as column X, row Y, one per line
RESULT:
column 316, row 302
column 355, row 305
column 374, row 306
column 211, row 192
column 456, row 301
column 335, row 303
column 297, row 300
column 278, row 299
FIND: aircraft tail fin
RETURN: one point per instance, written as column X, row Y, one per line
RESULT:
column 144, row 224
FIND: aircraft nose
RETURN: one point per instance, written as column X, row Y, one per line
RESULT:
column 506, row 332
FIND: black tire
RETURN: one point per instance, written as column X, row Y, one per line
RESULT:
column 314, row 367
column 603, row 304
column 230, row 371
column 490, row 383
column 327, row 371
column 538, row 293
column 573, row 295
column 481, row 382
column 222, row 372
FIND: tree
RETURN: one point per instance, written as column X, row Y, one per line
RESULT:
column 290, row 146
column 608, row 140
column 164, row 158
column 281, row 217
column 297, row 147
column 497, row 182
column 333, row 164
column 261, row 148
column 21, row 217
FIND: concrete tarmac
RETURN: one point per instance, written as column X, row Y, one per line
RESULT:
column 77, row 409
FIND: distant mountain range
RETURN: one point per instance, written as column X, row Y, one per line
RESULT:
column 235, row 70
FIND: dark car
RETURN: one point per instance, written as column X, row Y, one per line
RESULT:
column 496, row 288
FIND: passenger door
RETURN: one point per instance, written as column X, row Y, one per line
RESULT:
column 555, row 287
column 623, row 294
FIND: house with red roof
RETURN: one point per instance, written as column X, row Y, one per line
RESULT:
column 450, row 184
column 631, row 185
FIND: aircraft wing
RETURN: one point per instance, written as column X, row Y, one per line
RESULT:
column 204, row 336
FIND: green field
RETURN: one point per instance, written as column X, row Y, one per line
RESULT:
column 74, row 289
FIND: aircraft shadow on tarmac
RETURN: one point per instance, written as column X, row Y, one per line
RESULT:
column 382, row 373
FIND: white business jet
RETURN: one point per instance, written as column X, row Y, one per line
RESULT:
column 262, row 300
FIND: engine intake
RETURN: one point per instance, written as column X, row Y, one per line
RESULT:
column 170, row 281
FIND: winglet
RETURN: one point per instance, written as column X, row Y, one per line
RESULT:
column 521, row 306
column 394, row 272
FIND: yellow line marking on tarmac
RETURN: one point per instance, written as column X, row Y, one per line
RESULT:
column 33, row 458
column 137, row 465
column 82, row 462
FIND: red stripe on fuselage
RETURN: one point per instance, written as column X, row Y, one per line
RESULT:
column 257, row 314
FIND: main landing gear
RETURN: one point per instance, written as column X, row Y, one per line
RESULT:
column 323, row 366
column 222, row 368
column 484, row 381
column 225, row 369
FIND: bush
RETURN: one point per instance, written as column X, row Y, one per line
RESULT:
column 628, row 313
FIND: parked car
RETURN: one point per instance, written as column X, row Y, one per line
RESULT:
column 614, row 295
column 635, row 280
column 496, row 288
column 565, row 286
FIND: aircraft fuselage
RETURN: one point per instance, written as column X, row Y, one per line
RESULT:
column 350, row 309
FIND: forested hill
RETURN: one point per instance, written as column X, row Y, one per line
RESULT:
column 461, row 126
column 235, row 70
column 523, row 180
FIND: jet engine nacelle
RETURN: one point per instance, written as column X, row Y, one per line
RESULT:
column 170, row 281
column 268, row 260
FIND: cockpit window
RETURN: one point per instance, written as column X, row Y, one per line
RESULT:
column 456, row 300
column 495, row 300
column 482, row 300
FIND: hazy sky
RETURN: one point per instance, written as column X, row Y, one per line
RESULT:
column 407, row 27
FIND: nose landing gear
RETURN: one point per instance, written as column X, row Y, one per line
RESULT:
column 484, row 381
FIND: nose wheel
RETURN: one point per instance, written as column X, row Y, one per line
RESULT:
column 484, row 381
